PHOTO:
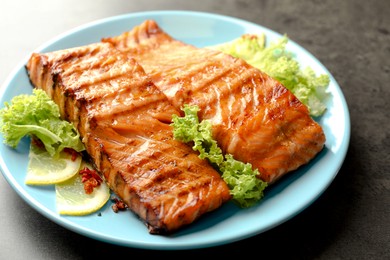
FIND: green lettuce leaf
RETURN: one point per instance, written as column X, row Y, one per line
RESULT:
column 37, row 115
column 246, row 189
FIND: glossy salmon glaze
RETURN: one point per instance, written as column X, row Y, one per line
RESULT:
column 124, row 122
column 255, row 118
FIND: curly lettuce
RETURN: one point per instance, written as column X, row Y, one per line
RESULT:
column 37, row 115
column 280, row 64
column 246, row 189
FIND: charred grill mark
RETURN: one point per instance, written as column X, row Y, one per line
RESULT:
column 156, row 156
column 132, row 105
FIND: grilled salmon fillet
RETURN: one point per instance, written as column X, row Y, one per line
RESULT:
column 254, row 117
column 124, row 122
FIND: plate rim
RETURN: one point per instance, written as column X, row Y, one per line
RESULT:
column 164, row 246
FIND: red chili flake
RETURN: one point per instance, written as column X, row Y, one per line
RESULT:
column 89, row 185
column 72, row 152
column 119, row 205
column 90, row 178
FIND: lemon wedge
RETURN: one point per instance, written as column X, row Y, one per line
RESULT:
column 43, row 169
column 71, row 198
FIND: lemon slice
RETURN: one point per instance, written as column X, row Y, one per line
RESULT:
column 43, row 169
column 71, row 198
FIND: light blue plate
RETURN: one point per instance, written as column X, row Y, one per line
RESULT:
column 282, row 201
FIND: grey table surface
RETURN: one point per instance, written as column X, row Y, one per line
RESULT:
column 350, row 220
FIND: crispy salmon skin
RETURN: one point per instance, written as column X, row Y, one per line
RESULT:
column 124, row 121
column 255, row 118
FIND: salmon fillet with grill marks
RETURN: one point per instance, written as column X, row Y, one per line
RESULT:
column 254, row 117
column 124, row 122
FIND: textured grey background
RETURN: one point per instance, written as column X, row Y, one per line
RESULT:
column 351, row 38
